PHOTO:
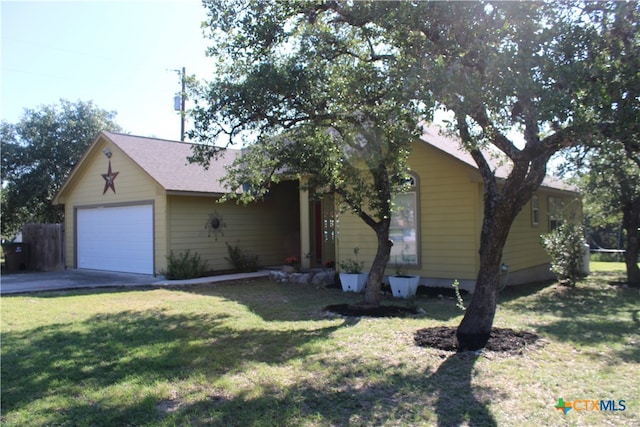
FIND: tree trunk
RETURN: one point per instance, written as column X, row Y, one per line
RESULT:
column 631, row 224
column 475, row 328
column 372, row 295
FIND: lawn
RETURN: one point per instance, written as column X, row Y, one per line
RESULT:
column 596, row 266
column 263, row 354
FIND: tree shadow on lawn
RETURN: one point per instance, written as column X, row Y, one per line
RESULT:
column 142, row 347
column 457, row 402
column 593, row 298
column 296, row 302
column 592, row 313
column 445, row 397
column 75, row 362
column 621, row 337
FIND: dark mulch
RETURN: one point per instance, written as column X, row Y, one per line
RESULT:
column 355, row 310
column 503, row 340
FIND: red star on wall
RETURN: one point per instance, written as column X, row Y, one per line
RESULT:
column 109, row 179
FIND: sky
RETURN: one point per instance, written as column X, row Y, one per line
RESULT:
column 119, row 54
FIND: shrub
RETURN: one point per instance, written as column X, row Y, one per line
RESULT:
column 240, row 259
column 459, row 300
column 184, row 266
column 352, row 266
column 565, row 247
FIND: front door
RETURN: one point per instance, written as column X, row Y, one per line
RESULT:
column 324, row 231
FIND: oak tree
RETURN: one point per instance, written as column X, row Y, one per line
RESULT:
column 328, row 102
column 497, row 66
column 38, row 152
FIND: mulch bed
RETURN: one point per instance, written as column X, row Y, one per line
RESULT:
column 504, row 340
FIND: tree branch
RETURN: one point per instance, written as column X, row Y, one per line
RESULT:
column 497, row 138
column 488, row 176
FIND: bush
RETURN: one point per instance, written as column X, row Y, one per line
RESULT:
column 184, row 266
column 241, row 260
column 352, row 266
column 565, row 247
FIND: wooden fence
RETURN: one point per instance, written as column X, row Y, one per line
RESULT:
column 44, row 244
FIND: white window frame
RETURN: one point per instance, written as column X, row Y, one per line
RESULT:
column 404, row 230
column 555, row 212
column 535, row 211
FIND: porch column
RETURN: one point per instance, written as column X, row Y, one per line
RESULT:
column 305, row 226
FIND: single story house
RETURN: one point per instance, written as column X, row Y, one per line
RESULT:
column 130, row 201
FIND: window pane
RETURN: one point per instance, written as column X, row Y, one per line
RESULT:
column 404, row 231
column 535, row 211
column 556, row 207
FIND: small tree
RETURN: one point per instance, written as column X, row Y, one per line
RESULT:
column 610, row 182
column 612, row 172
column 328, row 101
column 565, row 246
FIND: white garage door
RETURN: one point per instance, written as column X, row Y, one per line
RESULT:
column 116, row 239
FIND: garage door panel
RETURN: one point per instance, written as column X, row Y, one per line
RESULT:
column 116, row 238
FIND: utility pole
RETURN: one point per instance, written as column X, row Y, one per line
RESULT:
column 182, row 112
column 181, row 104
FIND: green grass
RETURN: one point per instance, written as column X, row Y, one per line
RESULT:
column 263, row 354
column 607, row 266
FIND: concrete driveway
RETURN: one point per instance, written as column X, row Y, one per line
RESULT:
column 76, row 279
column 70, row 279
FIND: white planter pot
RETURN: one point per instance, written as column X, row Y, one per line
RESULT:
column 404, row 286
column 353, row 282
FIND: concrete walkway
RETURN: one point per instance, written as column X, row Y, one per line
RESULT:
column 78, row 279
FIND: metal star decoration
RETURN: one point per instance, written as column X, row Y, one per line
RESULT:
column 215, row 224
column 109, row 179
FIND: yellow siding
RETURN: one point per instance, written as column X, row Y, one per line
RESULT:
column 451, row 211
column 449, row 214
column 523, row 249
column 352, row 232
column 450, row 219
column 269, row 229
column 132, row 186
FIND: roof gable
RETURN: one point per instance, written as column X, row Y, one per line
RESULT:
column 435, row 137
column 164, row 161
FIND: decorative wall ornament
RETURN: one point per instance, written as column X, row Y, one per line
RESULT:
column 215, row 225
column 109, row 179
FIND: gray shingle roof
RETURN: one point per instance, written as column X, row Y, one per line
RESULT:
column 166, row 162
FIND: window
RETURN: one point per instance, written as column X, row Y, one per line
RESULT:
column 556, row 207
column 535, row 211
column 404, row 227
